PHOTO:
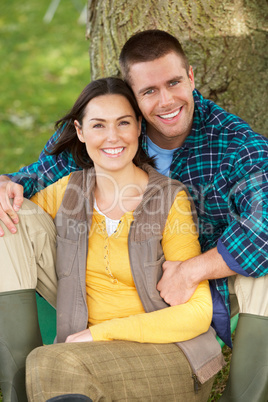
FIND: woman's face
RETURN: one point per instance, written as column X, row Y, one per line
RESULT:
column 110, row 131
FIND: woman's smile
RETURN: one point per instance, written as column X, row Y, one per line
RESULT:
column 113, row 151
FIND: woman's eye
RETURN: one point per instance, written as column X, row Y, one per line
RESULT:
column 124, row 123
column 99, row 125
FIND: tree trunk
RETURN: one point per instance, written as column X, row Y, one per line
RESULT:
column 225, row 41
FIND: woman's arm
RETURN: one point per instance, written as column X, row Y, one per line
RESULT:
column 172, row 324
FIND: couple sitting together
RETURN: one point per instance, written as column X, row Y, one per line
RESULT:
column 113, row 232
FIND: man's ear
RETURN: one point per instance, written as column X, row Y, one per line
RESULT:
column 79, row 131
column 191, row 77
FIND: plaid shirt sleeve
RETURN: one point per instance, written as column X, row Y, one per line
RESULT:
column 246, row 237
column 47, row 170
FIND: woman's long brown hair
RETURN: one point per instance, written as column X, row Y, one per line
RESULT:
column 68, row 139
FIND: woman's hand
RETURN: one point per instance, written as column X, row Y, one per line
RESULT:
column 82, row 336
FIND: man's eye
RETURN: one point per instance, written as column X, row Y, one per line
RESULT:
column 173, row 83
column 149, row 92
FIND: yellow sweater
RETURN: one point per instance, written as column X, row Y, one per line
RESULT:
column 115, row 309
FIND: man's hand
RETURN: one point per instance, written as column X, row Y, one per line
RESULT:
column 175, row 286
column 8, row 213
column 181, row 278
column 82, row 336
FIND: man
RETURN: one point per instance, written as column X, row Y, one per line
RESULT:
column 225, row 167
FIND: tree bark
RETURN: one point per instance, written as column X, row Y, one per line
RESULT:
column 225, row 41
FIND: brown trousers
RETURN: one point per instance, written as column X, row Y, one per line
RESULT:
column 113, row 371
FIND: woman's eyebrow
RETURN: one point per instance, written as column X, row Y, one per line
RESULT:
column 123, row 117
column 97, row 118
column 118, row 118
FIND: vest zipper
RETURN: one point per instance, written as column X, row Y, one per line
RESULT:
column 196, row 383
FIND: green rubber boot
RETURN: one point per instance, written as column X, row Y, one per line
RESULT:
column 19, row 334
column 248, row 377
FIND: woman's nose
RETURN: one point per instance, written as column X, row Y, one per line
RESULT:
column 113, row 134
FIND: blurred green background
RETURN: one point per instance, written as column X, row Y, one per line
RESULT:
column 44, row 66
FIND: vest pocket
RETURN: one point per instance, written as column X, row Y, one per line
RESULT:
column 153, row 273
column 66, row 253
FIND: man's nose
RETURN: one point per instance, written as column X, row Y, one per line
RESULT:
column 165, row 98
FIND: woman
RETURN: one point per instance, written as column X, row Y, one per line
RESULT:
column 116, row 224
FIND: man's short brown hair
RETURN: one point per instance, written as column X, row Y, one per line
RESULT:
column 148, row 46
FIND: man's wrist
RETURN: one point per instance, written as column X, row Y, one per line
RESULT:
column 206, row 266
column 4, row 178
column 190, row 271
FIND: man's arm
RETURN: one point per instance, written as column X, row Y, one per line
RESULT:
column 180, row 279
column 47, row 170
column 243, row 246
column 31, row 179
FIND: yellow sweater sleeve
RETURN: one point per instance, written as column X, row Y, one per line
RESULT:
column 172, row 324
column 50, row 198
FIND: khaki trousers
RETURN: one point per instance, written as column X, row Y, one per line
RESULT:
column 28, row 256
column 251, row 295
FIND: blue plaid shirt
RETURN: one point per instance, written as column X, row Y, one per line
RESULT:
column 224, row 164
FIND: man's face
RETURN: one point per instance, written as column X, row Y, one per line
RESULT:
column 164, row 94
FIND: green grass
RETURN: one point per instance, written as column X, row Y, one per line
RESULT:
column 43, row 67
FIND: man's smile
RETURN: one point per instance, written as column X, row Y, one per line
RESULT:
column 170, row 116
